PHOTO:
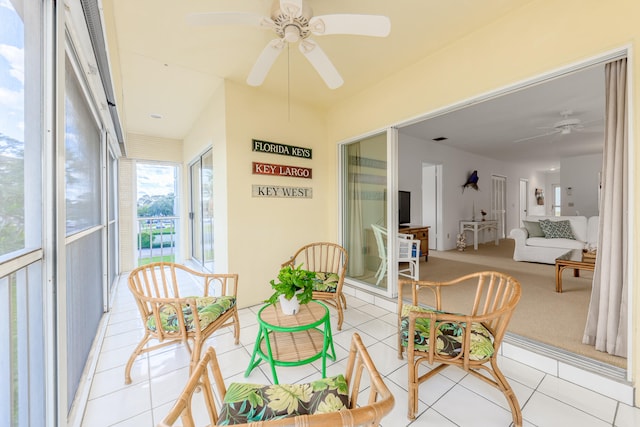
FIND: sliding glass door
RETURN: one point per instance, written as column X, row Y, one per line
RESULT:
column 368, row 212
column 201, row 215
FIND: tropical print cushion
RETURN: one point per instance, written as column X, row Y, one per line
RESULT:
column 245, row 403
column 449, row 335
column 209, row 309
column 326, row 282
column 557, row 229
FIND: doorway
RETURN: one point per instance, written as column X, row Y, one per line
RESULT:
column 432, row 203
column 499, row 203
column 523, row 206
column 479, row 134
column 157, row 207
column 201, row 210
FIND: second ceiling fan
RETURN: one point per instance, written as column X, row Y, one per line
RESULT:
column 565, row 126
column 294, row 22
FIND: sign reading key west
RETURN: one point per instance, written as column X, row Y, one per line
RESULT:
column 281, row 170
column 280, row 191
column 284, row 150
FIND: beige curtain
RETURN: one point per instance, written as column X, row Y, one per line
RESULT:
column 354, row 198
column 606, row 326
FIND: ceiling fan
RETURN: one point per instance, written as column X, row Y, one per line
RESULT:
column 565, row 126
column 293, row 21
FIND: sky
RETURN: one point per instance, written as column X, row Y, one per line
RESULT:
column 155, row 180
column 11, row 72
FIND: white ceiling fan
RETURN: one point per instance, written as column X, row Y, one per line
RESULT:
column 565, row 126
column 293, row 21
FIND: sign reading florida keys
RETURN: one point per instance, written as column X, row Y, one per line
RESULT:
column 279, row 191
column 282, row 149
column 281, row 170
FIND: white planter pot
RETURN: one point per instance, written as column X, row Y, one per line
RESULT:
column 290, row 306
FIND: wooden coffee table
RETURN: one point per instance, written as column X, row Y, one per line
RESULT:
column 572, row 259
column 293, row 340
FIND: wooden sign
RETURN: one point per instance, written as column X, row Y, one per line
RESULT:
column 279, row 191
column 284, row 150
column 280, row 170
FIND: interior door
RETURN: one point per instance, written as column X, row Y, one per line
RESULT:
column 430, row 202
column 523, row 208
column 499, row 203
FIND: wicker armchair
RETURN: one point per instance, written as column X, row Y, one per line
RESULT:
column 469, row 329
column 158, row 289
column 329, row 261
column 206, row 383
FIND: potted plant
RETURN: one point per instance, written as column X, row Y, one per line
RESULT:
column 294, row 287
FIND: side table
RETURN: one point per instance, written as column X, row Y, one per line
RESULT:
column 573, row 259
column 475, row 226
column 293, row 340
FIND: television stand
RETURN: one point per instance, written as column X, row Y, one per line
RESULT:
column 419, row 233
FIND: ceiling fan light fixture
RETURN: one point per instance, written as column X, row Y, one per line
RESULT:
column 292, row 33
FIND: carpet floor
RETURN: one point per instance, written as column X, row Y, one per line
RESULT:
column 542, row 314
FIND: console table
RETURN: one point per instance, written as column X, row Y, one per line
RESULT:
column 422, row 234
column 475, row 226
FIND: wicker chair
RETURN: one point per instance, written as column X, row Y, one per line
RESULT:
column 329, row 260
column 158, row 289
column 200, row 386
column 470, row 341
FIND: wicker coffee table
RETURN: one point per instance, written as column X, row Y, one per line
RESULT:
column 293, row 340
column 575, row 259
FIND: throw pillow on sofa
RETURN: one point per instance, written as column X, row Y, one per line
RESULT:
column 533, row 228
column 557, row 229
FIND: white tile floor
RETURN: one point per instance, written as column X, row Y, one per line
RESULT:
column 450, row 399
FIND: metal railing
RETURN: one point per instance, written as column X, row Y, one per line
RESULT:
column 156, row 239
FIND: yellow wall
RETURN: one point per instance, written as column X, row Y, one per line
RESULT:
column 153, row 148
column 263, row 233
column 539, row 38
column 209, row 131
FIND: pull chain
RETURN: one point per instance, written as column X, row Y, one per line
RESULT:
column 289, row 81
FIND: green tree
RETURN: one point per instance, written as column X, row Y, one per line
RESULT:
column 160, row 205
column 11, row 195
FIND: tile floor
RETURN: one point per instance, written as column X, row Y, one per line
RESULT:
column 450, row 399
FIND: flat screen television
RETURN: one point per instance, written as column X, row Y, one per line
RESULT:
column 404, row 207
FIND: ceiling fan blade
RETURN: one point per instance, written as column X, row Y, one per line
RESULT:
column 227, row 18
column 361, row 25
column 291, row 7
column 542, row 135
column 321, row 63
column 264, row 62
column 590, row 130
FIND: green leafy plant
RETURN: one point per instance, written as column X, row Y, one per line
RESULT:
column 291, row 280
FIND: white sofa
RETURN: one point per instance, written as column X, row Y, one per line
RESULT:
column 543, row 250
